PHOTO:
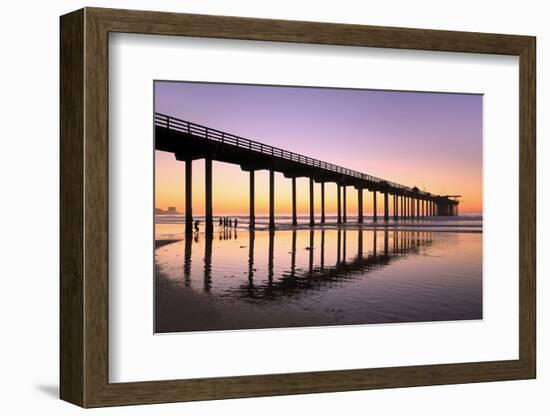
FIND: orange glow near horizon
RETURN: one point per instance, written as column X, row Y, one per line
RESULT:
column 231, row 189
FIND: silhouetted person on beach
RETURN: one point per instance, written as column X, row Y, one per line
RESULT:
column 220, row 223
column 230, row 223
column 196, row 226
column 235, row 222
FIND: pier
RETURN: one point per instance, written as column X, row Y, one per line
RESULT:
column 190, row 141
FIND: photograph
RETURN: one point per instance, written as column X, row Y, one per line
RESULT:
column 354, row 184
column 300, row 206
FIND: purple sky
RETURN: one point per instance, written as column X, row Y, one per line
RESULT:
column 429, row 140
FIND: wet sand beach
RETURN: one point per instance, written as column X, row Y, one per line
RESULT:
column 300, row 277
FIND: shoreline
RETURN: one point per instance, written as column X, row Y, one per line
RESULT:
column 160, row 242
column 163, row 242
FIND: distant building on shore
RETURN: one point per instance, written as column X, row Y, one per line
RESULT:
column 169, row 211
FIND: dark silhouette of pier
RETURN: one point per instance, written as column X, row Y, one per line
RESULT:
column 189, row 141
column 318, row 275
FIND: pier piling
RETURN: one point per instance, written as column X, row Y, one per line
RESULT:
column 271, row 199
column 386, row 208
column 209, row 223
column 252, row 216
column 322, row 202
column 294, row 216
column 311, row 203
column 360, row 205
column 189, row 197
column 374, row 209
column 345, row 210
column 338, row 202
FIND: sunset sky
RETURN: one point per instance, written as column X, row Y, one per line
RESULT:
column 429, row 140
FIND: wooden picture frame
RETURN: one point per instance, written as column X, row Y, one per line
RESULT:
column 84, row 207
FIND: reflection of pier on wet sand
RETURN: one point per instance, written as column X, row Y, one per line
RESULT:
column 395, row 245
column 237, row 279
